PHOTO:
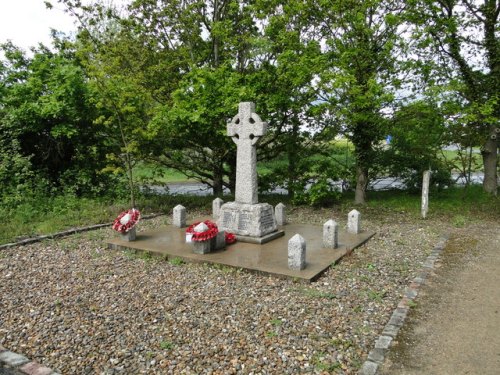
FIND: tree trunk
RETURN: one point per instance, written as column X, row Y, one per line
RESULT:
column 361, row 184
column 218, row 181
column 293, row 159
column 490, row 155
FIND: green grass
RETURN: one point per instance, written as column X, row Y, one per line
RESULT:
column 157, row 174
column 176, row 261
column 454, row 202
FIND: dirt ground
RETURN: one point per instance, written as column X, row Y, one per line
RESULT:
column 455, row 326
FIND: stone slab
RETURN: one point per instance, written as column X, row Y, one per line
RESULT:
column 269, row 258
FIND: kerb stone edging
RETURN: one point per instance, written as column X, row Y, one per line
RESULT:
column 377, row 355
column 20, row 365
column 65, row 233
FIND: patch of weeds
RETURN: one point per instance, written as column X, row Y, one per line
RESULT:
column 363, row 330
column 166, row 345
column 145, row 256
column 356, row 362
column 403, row 268
column 130, row 254
column 341, row 343
column 276, row 322
column 223, row 268
column 365, row 278
column 94, row 235
column 176, row 261
column 412, row 304
column 358, row 309
column 96, row 253
column 319, row 362
column 376, row 296
column 371, row 267
column 459, row 221
column 271, row 334
column 149, row 355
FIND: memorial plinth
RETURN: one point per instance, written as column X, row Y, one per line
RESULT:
column 249, row 220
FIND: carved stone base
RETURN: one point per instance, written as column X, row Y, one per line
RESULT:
column 250, row 220
column 261, row 240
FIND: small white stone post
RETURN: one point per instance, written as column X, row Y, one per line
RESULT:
column 297, row 253
column 130, row 235
column 425, row 193
column 202, row 247
column 219, row 241
column 280, row 212
column 354, row 222
column 216, row 203
column 331, row 234
column 179, row 217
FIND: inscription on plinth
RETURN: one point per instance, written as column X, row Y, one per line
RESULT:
column 247, row 219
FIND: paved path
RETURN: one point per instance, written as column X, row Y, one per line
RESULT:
column 455, row 328
column 384, row 183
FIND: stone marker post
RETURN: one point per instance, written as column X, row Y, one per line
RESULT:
column 331, row 234
column 202, row 247
column 280, row 212
column 179, row 217
column 297, row 253
column 216, row 204
column 425, row 193
column 130, row 235
column 246, row 130
column 354, row 222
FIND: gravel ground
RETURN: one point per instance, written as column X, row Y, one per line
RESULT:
column 80, row 308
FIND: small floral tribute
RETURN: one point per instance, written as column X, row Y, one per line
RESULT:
column 230, row 238
column 210, row 230
column 126, row 220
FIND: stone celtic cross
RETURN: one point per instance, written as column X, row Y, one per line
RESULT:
column 245, row 129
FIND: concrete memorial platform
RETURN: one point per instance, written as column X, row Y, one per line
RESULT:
column 270, row 258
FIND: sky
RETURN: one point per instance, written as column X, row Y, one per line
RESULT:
column 28, row 22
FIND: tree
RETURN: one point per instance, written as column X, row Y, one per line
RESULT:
column 417, row 136
column 197, row 60
column 361, row 41
column 464, row 34
column 47, row 117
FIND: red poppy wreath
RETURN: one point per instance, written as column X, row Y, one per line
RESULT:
column 126, row 220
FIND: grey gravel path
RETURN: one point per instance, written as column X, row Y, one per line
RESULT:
column 79, row 308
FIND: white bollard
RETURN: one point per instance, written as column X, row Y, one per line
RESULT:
column 354, row 222
column 297, row 253
column 331, row 234
column 179, row 216
column 280, row 213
